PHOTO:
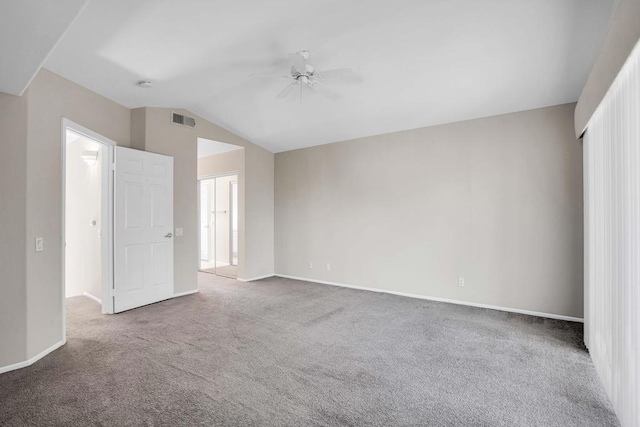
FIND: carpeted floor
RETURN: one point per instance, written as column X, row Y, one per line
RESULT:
column 280, row 352
column 230, row 271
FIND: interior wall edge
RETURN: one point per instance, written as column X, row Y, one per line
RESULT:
column 92, row 297
column 52, row 98
column 253, row 279
column 32, row 360
column 182, row 294
column 623, row 35
column 438, row 299
column 13, row 238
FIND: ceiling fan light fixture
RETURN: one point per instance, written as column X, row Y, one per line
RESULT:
column 90, row 157
column 304, row 74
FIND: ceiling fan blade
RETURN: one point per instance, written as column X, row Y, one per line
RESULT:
column 269, row 76
column 287, row 90
column 324, row 91
column 338, row 73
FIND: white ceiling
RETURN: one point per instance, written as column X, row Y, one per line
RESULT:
column 208, row 147
column 420, row 62
column 29, row 30
column 72, row 136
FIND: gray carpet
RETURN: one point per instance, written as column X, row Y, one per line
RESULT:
column 227, row 271
column 280, row 352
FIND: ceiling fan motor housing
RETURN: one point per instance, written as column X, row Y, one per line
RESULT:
column 303, row 74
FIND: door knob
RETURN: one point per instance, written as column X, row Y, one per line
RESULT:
column 169, row 235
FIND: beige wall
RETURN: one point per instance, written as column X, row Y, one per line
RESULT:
column 13, row 182
column 83, row 263
column 231, row 161
column 51, row 98
column 31, row 184
column 623, row 35
column 256, row 189
column 34, row 144
column 497, row 201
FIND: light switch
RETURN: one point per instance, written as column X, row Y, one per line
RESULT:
column 39, row 244
column 179, row 232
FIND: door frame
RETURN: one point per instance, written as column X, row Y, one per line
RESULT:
column 204, row 178
column 106, row 227
column 200, row 228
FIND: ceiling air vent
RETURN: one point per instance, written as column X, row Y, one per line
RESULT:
column 179, row 119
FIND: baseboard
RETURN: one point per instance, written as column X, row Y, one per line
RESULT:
column 31, row 361
column 96, row 299
column 450, row 301
column 256, row 278
column 181, row 294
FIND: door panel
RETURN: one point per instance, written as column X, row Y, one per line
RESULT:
column 161, row 259
column 133, row 208
column 143, row 228
column 134, row 266
column 159, row 203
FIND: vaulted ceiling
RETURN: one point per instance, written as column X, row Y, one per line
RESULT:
column 418, row 62
column 29, row 31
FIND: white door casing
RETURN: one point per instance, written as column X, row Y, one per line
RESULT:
column 205, row 211
column 143, row 228
column 234, row 222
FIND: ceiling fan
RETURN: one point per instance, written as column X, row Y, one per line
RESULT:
column 302, row 74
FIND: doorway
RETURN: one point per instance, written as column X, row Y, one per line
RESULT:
column 117, row 222
column 87, row 215
column 219, row 225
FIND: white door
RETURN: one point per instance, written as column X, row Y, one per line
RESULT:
column 143, row 228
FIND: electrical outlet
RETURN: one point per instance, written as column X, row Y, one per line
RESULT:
column 461, row 282
column 39, row 244
column 179, row 232
column 310, row 265
column 327, row 267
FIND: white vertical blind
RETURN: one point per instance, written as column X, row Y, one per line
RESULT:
column 612, row 241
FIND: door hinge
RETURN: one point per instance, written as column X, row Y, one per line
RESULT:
column 113, row 166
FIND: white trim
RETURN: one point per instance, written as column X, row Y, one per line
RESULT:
column 95, row 298
column 260, row 278
column 107, row 216
column 77, row 128
column 181, row 294
column 217, row 175
column 33, row 360
column 449, row 301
